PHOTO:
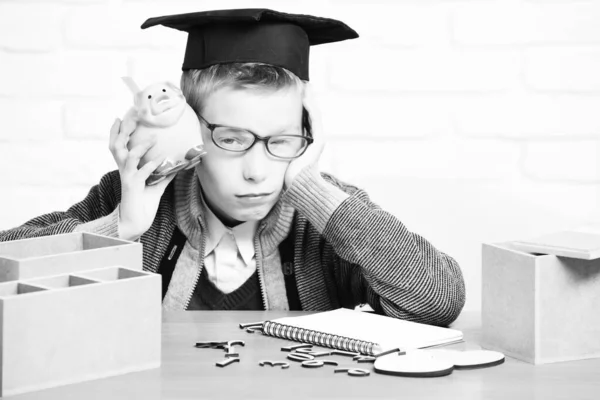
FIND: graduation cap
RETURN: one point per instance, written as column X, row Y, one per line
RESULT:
column 253, row 35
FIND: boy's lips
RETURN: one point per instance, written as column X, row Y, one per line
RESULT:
column 253, row 195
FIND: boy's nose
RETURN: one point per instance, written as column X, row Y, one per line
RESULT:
column 256, row 163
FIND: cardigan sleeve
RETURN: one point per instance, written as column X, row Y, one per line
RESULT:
column 396, row 271
column 96, row 213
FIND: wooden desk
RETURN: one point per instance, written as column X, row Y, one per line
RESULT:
column 188, row 372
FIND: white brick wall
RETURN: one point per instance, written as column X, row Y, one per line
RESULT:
column 470, row 120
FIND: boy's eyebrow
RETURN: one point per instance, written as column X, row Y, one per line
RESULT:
column 295, row 129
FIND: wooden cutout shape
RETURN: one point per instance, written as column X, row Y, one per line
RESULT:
column 418, row 364
column 470, row 359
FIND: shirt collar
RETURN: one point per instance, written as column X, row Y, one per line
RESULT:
column 243, row 233
column 191, row 220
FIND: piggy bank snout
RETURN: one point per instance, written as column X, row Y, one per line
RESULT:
column 162, row 97
column 164, row 100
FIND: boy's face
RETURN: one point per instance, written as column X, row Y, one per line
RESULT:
column 245, row 186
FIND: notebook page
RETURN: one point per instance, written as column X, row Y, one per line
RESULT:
column 385, row 331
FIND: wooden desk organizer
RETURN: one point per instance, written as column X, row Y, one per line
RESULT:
column 540, row 308
column 73, row 308
column 66, row 253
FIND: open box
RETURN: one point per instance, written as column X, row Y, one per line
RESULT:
column 74, row 327
column 540, row 308
column 66, row 253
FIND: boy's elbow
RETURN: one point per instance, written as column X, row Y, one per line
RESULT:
column 446, row 297
column 452, row 296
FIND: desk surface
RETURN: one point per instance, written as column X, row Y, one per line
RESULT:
column 188, row 372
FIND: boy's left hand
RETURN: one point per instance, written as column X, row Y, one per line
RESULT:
column 313, row 152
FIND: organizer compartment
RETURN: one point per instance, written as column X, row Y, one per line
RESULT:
column 75, row 307
column 112, row 274
column 64, row 254
column 73, row 328
column 16, row 288
column 62, row 281
column 40, row 247
column 539, row 308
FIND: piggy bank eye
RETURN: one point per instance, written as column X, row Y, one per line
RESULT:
column 149, row 96
column 165, row 90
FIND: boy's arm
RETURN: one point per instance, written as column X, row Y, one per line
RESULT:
column 96, row 213
column 406, row 277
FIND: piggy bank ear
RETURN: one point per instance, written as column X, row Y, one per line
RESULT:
column 173, row 87
column 137, row 99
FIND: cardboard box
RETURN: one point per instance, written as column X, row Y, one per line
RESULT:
column 540, row 308
column 63, row 254
column 75, row 327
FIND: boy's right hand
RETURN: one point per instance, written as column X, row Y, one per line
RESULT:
column 139, row 203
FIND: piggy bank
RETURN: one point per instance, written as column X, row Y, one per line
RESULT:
column 160, row 112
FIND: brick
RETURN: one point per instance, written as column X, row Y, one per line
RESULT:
column 31, row 120
column 447, row 158
column 86, row 27
column 18, row 36
column 565, row 205
column 560, row 161
column 327, row 161
column 385, row 116
column 61, row 163
column 563, row 69
column 92, row 119
column 397, row 24
column 504, row 23
column 67, row 2
column 148, row 67
column 319, row 67
column 527, row 115
column 77, row 73
column 83, row 1
column 375, row 68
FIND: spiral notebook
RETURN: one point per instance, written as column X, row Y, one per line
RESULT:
column 359, row 331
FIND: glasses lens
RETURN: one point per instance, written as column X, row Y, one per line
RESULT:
column 232, row 139
column 287, row 146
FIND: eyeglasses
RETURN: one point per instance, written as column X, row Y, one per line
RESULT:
column 238, row 140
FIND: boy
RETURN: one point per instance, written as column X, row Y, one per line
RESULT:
column 256, row 225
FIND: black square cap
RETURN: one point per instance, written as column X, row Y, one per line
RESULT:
column 253, row 35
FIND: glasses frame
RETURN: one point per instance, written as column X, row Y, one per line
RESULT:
column 257, row 138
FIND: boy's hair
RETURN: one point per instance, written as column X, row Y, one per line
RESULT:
column 197, row 84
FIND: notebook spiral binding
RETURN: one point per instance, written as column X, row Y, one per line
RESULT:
column 319, row 338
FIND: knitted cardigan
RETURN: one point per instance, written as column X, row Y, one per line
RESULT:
column 346, row 254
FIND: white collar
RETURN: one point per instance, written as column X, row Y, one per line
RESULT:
column 243, row 234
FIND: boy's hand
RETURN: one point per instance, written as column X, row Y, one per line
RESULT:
column 313, row 152
column 139, row 203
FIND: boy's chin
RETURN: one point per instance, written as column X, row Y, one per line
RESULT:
column 254, row 215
